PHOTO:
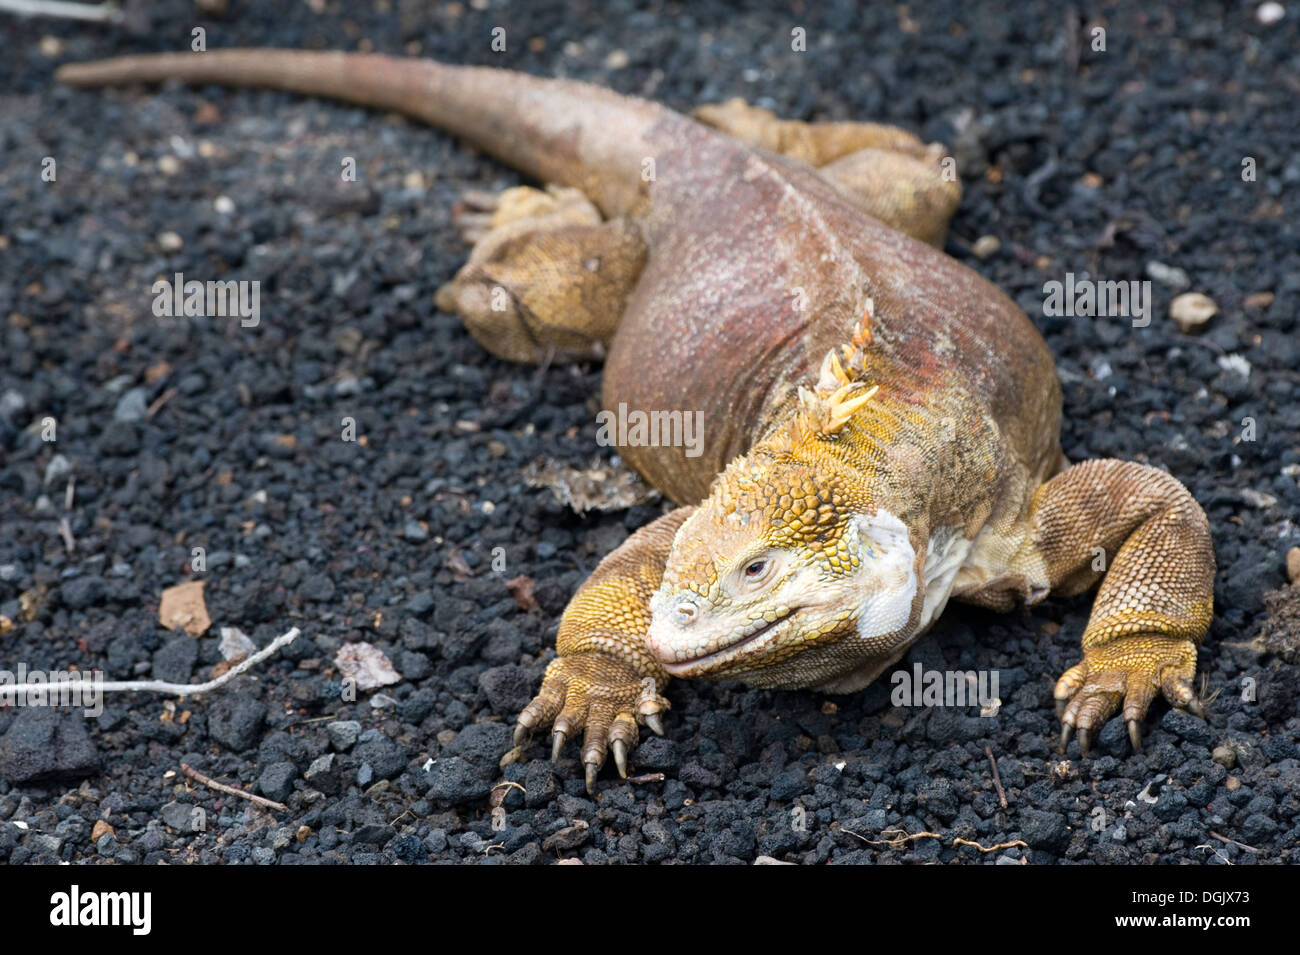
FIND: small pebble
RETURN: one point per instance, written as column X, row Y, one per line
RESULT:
column 1270, row 13
column 1225, row 756
column 1192, row 311
column 1169, row 276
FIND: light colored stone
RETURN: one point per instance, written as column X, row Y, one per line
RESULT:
column 1192, row 311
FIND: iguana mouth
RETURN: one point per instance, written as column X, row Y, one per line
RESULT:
column 677, row 667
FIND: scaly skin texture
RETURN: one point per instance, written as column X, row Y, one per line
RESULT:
column 881, row 423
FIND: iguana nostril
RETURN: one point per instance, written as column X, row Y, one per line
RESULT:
column 684, row 613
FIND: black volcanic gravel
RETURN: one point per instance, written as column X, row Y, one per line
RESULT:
column 1099, row 163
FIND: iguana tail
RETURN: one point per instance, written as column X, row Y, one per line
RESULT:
column 557, row 131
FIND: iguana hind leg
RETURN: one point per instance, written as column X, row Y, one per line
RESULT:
column 1140, row 531
column 891, row 173
column 547, row 277
column 604, row 680
column 904, row 191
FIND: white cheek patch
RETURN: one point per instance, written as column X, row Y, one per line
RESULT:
column 888, row 574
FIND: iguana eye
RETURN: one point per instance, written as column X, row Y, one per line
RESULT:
column 757, row 573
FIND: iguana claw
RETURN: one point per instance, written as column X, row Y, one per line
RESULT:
column 619, row 749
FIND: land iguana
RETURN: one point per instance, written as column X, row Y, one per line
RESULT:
column 883, row 423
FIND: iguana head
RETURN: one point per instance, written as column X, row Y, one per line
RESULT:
column 788, row 574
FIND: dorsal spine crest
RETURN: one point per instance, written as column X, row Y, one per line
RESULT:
column 841, row 387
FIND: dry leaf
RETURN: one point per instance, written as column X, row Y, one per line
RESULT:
column 460, row 571
column 101, row 829
column 183, row 607
column 235, row 643
column 521, row 588
column 366, row 666
column 602, row 487
column 156, row 373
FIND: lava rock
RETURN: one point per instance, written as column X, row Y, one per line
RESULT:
column 174, row 660
column 509, row 688
column 235, row 721
column 276, row 781
column 343, row 734
column 1043, row 829
column 325, row 774
column 44, row 743
column 482, row 744
column 455, row 781
column 79, row 593
column 386, row 760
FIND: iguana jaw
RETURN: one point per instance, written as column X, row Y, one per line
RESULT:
column 751, row 644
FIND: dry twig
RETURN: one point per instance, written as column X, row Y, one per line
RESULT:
column 1000, row 845
column 211, row 783
column 92, row 12
column 160, row 686
column 997, row 780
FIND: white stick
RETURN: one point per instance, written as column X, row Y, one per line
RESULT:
column 11, row 691
column 94, row 12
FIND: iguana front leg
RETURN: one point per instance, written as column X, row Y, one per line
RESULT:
column 605, row 680
column 1143, row 530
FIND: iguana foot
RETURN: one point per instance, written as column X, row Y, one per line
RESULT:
column 602, row 697
column 547, row 278
column 479, row 211
column 1133, row 669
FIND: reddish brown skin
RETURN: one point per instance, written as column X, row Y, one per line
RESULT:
column 732, row 233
